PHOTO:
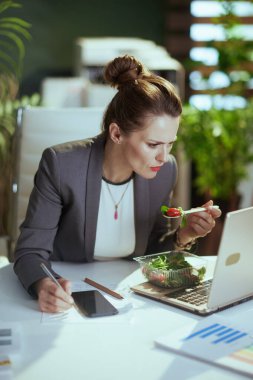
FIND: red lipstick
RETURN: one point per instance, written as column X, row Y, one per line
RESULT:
column 155, row 168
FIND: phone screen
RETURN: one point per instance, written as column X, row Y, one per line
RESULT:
column 93, row 304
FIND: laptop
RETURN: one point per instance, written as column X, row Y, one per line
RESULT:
column 232, row 281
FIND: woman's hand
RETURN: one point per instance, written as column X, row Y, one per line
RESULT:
column 51, row 298
column 199, row 224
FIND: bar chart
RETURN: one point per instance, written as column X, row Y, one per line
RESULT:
column 215, row 340
column 217, row 333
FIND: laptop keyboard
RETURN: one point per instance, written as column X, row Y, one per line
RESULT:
column 195, row 296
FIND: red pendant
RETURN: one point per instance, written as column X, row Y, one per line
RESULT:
column 116, row 214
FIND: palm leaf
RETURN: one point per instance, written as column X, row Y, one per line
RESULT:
column 15, row 28
column 9, row 4
column 7, row 61
column 13, row 32
column 13, row 38
column 12, row 23
column 17, row 20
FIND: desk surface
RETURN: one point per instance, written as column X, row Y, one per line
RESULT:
column 119, row 347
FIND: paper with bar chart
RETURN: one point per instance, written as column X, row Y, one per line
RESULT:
column 215, row 340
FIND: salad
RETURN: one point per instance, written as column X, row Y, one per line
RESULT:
column 173, row 270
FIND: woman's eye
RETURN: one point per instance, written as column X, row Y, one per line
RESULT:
column 152, row 145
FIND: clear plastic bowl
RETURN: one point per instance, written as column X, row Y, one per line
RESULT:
column 173, row 278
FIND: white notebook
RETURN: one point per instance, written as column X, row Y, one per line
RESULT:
column 220, row 341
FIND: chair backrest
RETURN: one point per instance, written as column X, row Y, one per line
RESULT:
column 38, row 128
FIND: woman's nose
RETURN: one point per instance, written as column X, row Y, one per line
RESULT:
column 163, row 154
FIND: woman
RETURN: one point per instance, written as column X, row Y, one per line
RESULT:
column 100, row 198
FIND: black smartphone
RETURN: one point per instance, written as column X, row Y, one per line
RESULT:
column 93, row 304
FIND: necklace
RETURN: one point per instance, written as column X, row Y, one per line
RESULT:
column 116, row 204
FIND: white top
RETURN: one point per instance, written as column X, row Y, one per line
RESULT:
column 115, row 238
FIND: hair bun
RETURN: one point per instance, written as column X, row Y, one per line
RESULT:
column 123, row 70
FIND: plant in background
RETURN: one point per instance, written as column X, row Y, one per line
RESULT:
column 235, row 57
column 220, row 144
column 219, row 141
column 14, row 33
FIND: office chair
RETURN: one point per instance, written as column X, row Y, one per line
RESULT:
column 38, row 128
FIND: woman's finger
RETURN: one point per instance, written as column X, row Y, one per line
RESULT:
column 52, row 298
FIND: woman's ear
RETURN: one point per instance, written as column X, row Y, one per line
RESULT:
column 115, row 133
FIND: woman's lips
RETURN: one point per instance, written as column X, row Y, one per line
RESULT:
column 155, row 168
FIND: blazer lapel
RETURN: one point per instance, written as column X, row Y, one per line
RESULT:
column 142, row 211
column 93, row 188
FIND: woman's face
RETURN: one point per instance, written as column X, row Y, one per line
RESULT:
column 146, row 150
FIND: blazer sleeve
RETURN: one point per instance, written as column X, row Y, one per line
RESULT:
column 161, row 238
column 35, row 243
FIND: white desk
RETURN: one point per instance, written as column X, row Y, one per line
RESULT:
column 119, row 348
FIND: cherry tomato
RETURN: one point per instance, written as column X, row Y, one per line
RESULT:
column 172, row 212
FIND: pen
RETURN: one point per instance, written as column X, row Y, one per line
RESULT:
column 103, row 288
column 50, row 275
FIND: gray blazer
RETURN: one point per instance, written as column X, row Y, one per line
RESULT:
column 61, row 218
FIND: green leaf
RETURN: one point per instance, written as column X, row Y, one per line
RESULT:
column 9, row 61
column 183, row 221
column 164, row 209
column 8, row 4
column 16, row 20
column 16, row 28
column 16, row 40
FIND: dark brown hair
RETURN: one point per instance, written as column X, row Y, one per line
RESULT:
column 140, row 94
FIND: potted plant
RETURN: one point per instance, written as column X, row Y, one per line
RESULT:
column 14, row 32
column 219, row 141
column 220, row 145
